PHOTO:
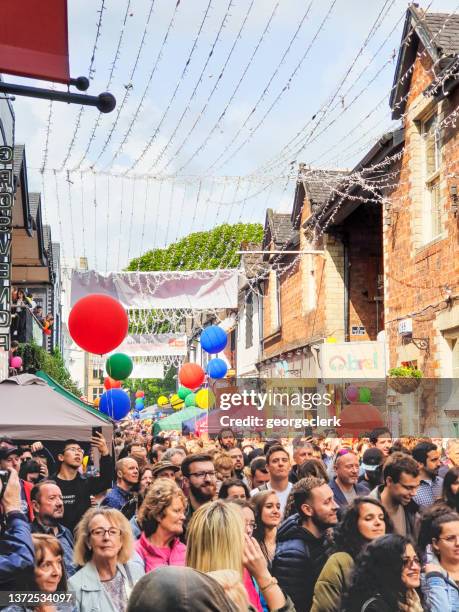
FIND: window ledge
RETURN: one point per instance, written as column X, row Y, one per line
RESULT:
column 273, row 335
column 433, row 245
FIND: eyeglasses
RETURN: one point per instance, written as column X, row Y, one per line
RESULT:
column 451, row 539
column 409, row 561
column 100, row 532
column 251, row 524
column 202, row 475
column 73, row 449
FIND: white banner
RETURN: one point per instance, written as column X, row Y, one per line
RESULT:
column 148, row 369
column 353, row 360
column 153, row 345
column 191, row 289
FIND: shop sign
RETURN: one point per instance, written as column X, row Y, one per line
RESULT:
column 353, row 360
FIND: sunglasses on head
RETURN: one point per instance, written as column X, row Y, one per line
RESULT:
column 343, row 451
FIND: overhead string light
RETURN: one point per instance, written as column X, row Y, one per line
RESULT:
column 136, row 114
column 173, row 97
column 107, row 85
column 217, row 124
column 285, row 153
column 128, row 86
column 91, row 73
column 419, row 54
column 195, row 89
column 267, row 86
column 202, row 112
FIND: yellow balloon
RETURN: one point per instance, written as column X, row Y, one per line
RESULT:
column 96, row 402
column 205, row 399
column 176, row 402
column 162, row 400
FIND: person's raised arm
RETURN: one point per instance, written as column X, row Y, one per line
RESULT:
column 97, row 484
column 255, row 563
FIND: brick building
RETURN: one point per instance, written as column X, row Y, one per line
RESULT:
column 303, row 292
column 421, row 222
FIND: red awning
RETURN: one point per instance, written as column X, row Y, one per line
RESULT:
column 34, row 39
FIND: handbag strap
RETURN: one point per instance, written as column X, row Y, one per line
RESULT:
column 367, row 603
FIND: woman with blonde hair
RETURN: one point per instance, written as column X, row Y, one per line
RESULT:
column 161, row 518
column 216, row 540
column 104, row 546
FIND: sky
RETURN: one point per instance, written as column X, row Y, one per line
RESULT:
column 217, row 103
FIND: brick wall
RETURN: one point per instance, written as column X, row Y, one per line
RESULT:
column 416, row 273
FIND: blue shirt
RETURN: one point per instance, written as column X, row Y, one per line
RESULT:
column 65, row 538
column 116, row 498
column 428, row 491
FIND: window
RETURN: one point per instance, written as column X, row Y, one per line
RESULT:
column 275, row 290
column 97, row 392
column 97, row 372
column 249, row 321
column 431, row 135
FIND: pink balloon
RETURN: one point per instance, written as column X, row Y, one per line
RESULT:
column 16, row 362
column 352, row 394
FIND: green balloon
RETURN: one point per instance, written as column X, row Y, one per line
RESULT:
column 190, row 400
column 119, row 366
column 183, row 392
column 364, row 395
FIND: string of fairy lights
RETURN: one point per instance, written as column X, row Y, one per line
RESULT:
column 134, row 210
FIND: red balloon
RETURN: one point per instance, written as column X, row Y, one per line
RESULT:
column 191, row 375
column 140, row 393
column 111, row 383
column 98, row 323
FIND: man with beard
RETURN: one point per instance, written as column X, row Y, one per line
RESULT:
column 226, row 438
column 401, row 482
column 428, row 458
column 48, row 506
column 302, row 544
column 238, row 463
column 200, row 478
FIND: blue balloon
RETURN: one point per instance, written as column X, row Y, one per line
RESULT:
column 217, row 368
column 213, row 339
column 115, row 403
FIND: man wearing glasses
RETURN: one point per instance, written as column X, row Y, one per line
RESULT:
column 77, row 489
column 200, row 479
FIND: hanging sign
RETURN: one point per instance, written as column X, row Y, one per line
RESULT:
column 6, row 223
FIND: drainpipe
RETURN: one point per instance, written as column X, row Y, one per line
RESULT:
column 260, row 318
column 347, row 334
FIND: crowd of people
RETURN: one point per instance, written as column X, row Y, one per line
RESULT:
column 172, row 523
column 21, row 302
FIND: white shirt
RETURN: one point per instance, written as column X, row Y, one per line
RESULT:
column 282, row 495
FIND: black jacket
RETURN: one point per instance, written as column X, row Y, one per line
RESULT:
column 298, row 561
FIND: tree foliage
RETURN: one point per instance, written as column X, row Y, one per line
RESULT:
column 215, row 248
column 154, row 387
column 35, row 358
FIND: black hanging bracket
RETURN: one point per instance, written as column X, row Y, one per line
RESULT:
column 104, row 102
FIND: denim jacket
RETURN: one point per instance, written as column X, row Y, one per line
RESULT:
column 90, row 594
column 440, row 591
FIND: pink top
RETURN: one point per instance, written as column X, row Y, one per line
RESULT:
column 156, row 556
column 253, row 596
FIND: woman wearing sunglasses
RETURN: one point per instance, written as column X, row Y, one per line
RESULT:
column 441, row 580
column 386, row 578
